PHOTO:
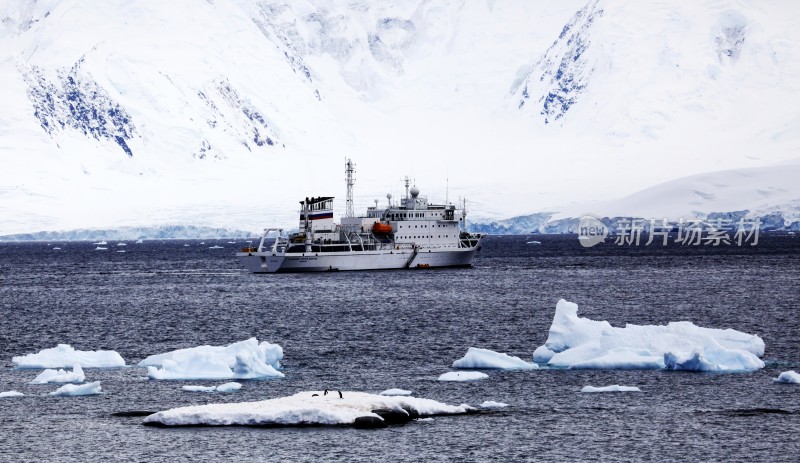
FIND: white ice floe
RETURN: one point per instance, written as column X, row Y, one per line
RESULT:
column 462, row 376
column 56, row 248
column 304, row 408
column 484, row 358
column 242, row 360
column 576, row 342
column 424, row 420
column 121, row 250
column 100, row 243
column 229, row 387
column 64, row 356
column 60, row 376
column 83, row 389
column 215, row 247
column 100, row 248
column 226, row 387
column 491, row 404
column 139, row 242
column 11, row 394
column 122, row 244
column 534, row 242
column 614, row 388
column 788, row 377
column 192, row 388
column 396, row 391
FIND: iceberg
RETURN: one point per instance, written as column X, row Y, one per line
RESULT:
column 11, row 394
column 64, row 356
column 75, row 390
column 791, row 377
column 396, row 392
column 309, row 408
column 487, row 359
column 614, row 388
column 462, row 376
column 60, row 376
column 575, row 342
column 226, row 387
column 242, row 360
column 491, row 404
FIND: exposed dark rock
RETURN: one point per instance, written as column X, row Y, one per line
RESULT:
column 369, row 422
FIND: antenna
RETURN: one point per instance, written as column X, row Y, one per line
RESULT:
column 406, row 181
column 349, row 170
column 447, row 191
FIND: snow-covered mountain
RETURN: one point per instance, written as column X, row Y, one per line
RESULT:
column 224, row 114
column 769, row 194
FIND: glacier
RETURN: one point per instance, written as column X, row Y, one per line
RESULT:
column 124, row 115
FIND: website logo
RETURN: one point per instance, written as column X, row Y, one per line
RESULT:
column 591, row 231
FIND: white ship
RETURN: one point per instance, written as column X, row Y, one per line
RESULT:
column 408, row 234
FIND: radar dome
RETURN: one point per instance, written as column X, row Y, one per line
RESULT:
column 414, row 191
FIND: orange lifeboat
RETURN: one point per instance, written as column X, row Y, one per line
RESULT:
column 381, row 228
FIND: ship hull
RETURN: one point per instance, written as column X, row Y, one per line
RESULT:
column 265, row 262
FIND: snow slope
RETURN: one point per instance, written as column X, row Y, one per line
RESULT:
column 224, row 114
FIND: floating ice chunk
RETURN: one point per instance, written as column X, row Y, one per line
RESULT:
column 100, row 243
column 242, row 360
column 100, row 248
column 60, row 376
column 425, row 420
column 493, row 405
column 462, row 376
column 713, row 358
column 226, row 387
column 614, row 388
column 791, row 377
column 191, row 388
column 542, row 354
column 11, row 394
column 229, row 387
column 215, row 247
column 484, row 358
column 139, row 242
column 56, row 248
column 396, row 392
column 121, row 250
column 64, row 356
column 305, row 408
column 122, row 244
column 73, row 389
column 576, row 342
column 534, row 242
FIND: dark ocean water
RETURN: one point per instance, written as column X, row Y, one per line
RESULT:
column 370, row 331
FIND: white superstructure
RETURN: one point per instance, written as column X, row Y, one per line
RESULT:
column 409, row 234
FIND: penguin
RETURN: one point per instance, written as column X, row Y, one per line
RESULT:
column 326, row 392
column 340, row 394
column 314, row 395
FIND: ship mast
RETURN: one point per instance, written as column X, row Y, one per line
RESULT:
column 349, row 170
